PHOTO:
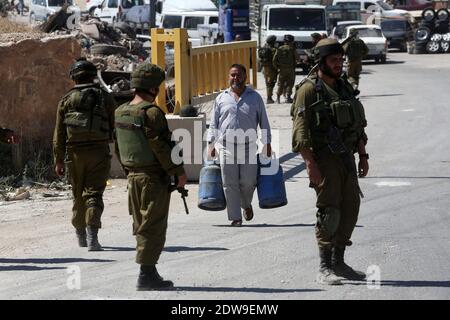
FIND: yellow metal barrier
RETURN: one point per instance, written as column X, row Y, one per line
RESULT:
column 200, row 72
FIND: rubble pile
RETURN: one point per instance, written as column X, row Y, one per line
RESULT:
column 7, row 27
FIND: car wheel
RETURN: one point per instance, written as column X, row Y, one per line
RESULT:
column 107, row 49
column 436, row 37
column 445, row 46
column 442, row 15
column 432, row 47
column 92, row 10
column 377, row 59
column 422, row 34
column 428, row 14
column 442, row 27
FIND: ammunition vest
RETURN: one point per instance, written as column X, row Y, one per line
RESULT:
column 346, row 114
column 87, row 119
column 132, row 135
column 285, row 57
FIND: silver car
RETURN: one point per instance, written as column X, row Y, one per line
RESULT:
column 40, row 10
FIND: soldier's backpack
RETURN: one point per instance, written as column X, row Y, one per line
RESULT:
column 87, row 118
column 265, row 55
column 285, row 58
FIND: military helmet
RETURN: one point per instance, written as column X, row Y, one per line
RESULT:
column 82, row 68
column 288, row 38
column 326, row 47
column 147, row 76
column 271, row 39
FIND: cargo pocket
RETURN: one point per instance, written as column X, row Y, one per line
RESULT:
column 341, row 112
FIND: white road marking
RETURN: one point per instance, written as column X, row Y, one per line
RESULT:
column 393, row 183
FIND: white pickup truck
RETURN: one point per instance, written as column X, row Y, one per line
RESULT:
column 299, row 20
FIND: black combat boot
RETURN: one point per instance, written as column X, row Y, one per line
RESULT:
column 269, row 100
column 341, row 269
column 326, row 275
column 278, row 99
column 149, row 279
column 81, row 236
column 289, row 100
column 92, row 239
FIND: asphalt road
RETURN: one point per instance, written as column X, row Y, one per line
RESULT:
column 401, row 237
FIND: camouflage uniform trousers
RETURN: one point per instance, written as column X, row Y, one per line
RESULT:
column 353, row 71
column 88, row 170
column 339, row 190
column 148, row 203
column 270, row 76
column 286, row 80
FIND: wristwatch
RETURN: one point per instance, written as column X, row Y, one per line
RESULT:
column 364, row 155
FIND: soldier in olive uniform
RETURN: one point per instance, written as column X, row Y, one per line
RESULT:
column 285, row 60
column 8, row 136
column 328, row 129
column 355, row 50
column 309, row 61
column 144, row 146
column 266, row 55
column 84, row 127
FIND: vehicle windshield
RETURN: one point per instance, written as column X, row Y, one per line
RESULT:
column 296, row 19
column 171, row 22
column 58, row 3
column 365, row 33
column 127, row 4
column 393, row 25
column 384, row 5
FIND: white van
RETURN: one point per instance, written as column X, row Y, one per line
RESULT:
column 375, row 8
column 189, row 20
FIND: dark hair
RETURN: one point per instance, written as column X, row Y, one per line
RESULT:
column 239, row 66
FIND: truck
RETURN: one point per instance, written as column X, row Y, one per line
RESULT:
column 299, row 20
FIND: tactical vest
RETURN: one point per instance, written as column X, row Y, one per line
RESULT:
column 346, row 114
column 87, row 119
column 132, row 136
column 285, row 57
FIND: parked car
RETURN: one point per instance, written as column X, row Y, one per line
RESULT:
column 374, row 39
column 376, row 7
column 338, row 31
column 40, row 10
column 111, row 11
column 398, row 33
column 411, row 5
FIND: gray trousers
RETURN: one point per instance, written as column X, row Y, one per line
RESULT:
column 239, row 176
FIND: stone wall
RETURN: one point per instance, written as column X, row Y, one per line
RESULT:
column 33, row 78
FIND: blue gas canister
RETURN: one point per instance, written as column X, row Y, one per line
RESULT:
column 210, row 192
column 270, row 187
